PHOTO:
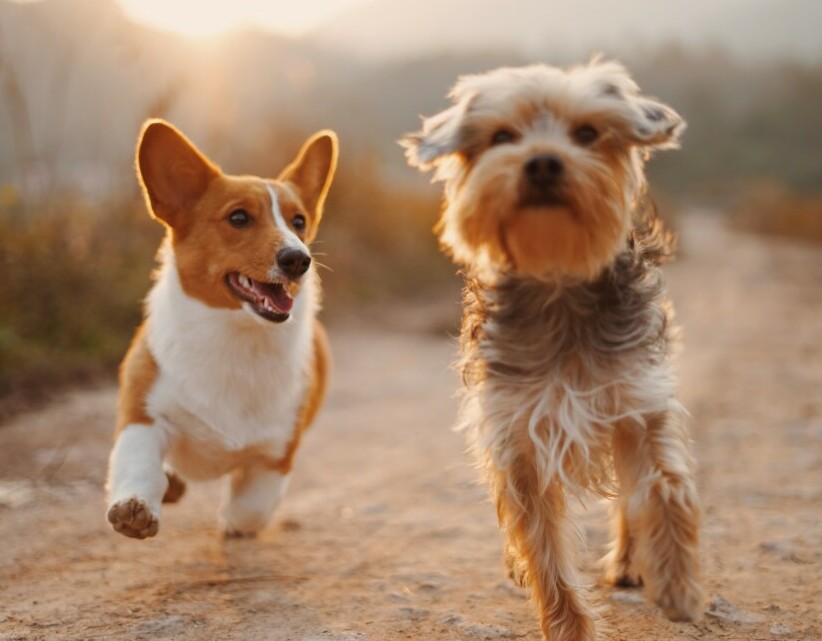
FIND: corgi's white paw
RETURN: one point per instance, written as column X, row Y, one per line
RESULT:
column 134, row 518
column 240, row 522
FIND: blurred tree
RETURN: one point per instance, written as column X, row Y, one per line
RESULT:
column 19, row 120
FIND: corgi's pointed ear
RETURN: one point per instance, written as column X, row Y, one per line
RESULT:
column 174, row 174
column 313, row 169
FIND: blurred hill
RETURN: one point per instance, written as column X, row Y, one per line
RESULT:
column 85, row 77
column 78, row 78
column 754, row 29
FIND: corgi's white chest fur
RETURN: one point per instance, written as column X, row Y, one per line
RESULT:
column 227, row 381
column 224, row 375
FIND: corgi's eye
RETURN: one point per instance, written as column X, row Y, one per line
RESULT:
column 585, row 135
column 502, row 137
column 239, row 218
column 299, row 222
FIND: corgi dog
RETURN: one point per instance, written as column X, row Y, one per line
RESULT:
column 230, row 365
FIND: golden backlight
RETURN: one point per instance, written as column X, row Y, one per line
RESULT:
column 202, row 18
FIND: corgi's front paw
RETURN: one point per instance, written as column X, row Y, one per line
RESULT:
column 134, row 518
column 239, row 524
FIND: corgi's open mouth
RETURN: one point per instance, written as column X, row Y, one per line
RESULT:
column 269, row 300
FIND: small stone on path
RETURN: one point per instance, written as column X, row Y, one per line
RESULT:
column 780, row 629
column 723, row 610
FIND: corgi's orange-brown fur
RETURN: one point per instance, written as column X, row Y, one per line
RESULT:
column 230, row 365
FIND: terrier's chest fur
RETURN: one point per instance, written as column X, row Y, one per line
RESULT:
column 569, row 362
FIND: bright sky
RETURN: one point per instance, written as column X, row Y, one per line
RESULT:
column 210, row 17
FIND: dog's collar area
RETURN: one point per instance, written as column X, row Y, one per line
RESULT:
column 270, row 301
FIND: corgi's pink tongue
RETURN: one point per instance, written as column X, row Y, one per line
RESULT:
column 273, row 296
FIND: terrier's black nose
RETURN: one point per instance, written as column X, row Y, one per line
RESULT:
column 293, row 262
column 543, row 170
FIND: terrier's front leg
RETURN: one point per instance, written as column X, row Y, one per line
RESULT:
column 256, row 492
column 619, row 567
column 541, row 546
column 663, row 510
column 137, row 481
column 668, row 522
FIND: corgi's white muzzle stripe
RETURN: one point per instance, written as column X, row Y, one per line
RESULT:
column 291, row 239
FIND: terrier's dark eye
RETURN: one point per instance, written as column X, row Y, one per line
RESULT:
column 585, row 134
column 239, row 218
column 502, row 137
column 299, row 222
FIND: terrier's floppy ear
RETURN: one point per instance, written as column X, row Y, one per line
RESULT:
column 643, row 120
column 313, row 169
column 653, row 124
column 439, row 136
column 174, row 174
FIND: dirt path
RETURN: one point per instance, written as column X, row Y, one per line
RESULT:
column 385, row 534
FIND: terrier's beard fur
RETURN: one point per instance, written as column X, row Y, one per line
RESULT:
column 495, row 216
column 487, row 222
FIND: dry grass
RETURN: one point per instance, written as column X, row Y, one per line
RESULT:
column 74, row 276
column 377, row 240
column 70, row 294
column 774, row 209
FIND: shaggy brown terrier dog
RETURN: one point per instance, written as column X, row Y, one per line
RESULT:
column 566, row 338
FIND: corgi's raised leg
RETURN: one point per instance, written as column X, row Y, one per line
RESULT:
column 256, row 491
column 137, row 481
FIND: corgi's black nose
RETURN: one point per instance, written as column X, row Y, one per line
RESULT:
column 293, row 262
column 544, row 170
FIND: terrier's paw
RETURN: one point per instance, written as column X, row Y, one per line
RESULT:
column 576, row 623
column 132, row 517
column 517, row 570
column 682, row 602
column 621, row 575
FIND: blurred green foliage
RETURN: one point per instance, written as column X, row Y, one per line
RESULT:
column 74, row 275
column 73, row 272
column 770, row 208
column 746, row 122
column 72, row 281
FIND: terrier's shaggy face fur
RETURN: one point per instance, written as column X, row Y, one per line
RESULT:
column 567, row 334
column 542, row 167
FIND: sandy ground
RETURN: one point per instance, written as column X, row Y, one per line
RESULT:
column 385, row 533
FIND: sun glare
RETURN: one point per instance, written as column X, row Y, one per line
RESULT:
column 190, row 18
column 202, row 18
